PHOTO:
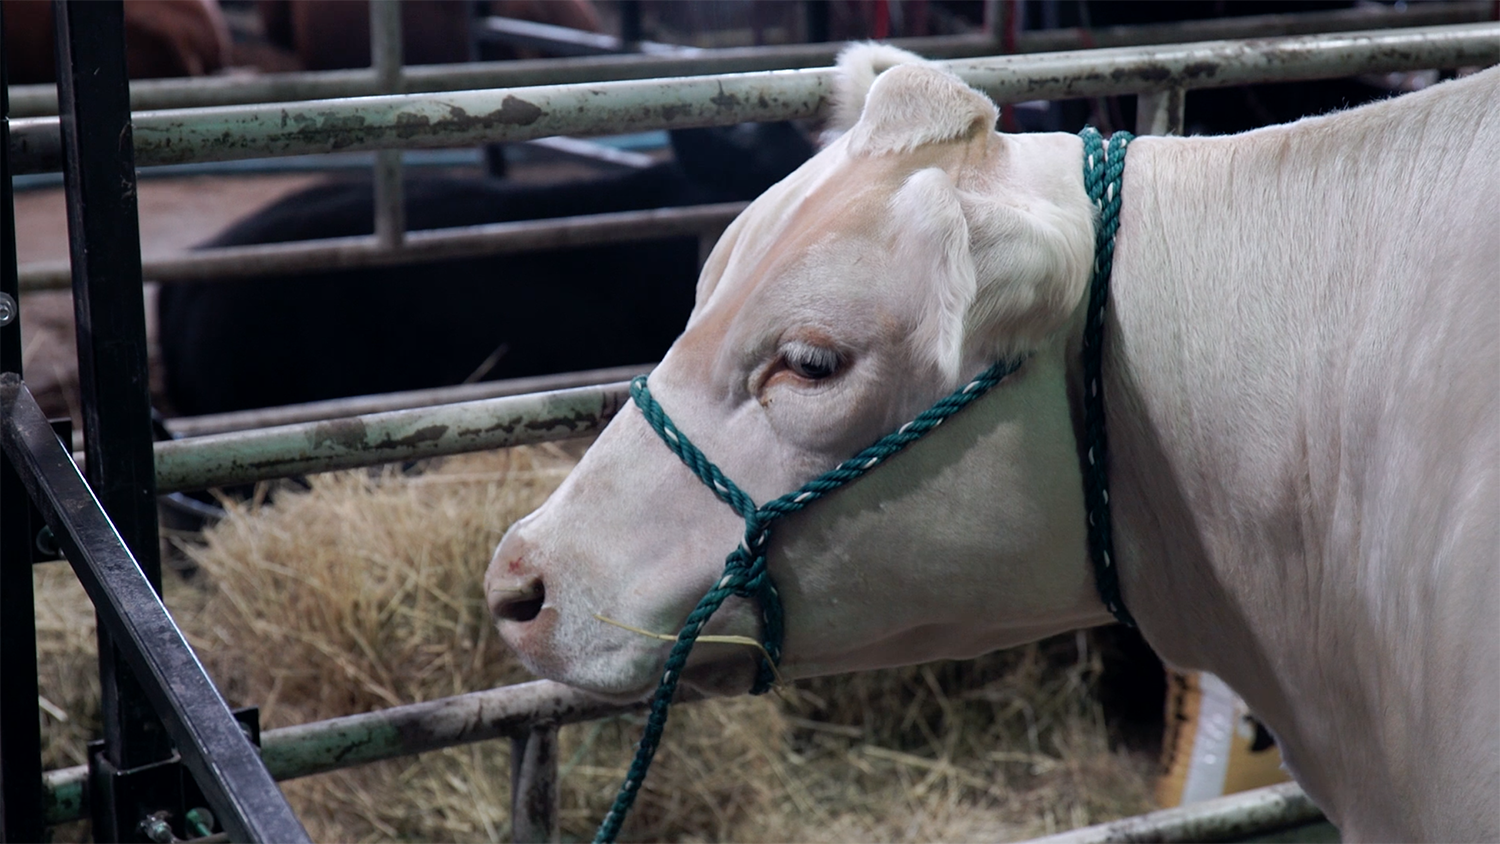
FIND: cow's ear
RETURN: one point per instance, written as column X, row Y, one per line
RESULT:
column 932, row 252
column 858, row 65
column 911, row 106
column 995, row 278
column 1032, row 255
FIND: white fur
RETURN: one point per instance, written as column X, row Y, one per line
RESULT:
column 858, row 65
column 935, row 247
column 1302, row 403
column 911, row 106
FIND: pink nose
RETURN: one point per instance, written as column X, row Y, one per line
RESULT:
column 514, row 592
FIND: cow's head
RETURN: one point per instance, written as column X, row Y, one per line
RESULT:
column 900, row 261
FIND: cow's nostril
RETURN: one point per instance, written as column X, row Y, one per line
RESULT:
column 521, row 603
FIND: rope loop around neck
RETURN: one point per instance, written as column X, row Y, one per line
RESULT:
column 1103, row 173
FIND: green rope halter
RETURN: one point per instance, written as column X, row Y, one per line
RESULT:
column 745, row 572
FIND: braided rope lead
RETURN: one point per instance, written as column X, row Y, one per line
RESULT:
column 1103, row 169
column 745, row 572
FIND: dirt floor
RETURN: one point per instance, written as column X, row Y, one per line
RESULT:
column 175, row 215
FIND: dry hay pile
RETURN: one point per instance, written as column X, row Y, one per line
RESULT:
column 364, row 591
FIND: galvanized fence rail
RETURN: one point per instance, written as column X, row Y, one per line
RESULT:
column 461, row 118
column 153, row 94
column 351, row 442
column 529, row 715
column 236, row 262
column 317, row 411
column 1160, row 75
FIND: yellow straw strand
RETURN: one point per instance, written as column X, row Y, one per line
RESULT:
column 722, row 640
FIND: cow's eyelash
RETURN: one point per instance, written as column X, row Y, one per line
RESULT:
column 814, row 363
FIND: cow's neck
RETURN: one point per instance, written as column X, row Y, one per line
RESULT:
column 1250, row 380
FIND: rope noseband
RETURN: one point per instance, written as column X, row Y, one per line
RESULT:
column 745, row 569
column 745, row 572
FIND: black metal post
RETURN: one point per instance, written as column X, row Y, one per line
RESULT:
column 630, row 24
column 21, row 817
column 816, row 14
column 108, row 304
column 213, row 746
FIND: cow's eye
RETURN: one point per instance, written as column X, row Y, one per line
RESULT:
column 815, row 363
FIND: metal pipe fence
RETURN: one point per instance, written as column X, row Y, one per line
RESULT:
column 462, row 118
column 1160, row 75
column 155, row 94
column 440, row 119
column 1236, row 817
column 563, row 41
column 519, row 711
column 235, row 262
column 234, row 781
column 351, row 442
column 515, row 712
column 243, row 420
column 385, row 56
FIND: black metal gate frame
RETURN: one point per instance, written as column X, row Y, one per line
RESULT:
column 155, row 694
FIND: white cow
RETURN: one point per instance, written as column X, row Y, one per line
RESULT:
column 1303, row 381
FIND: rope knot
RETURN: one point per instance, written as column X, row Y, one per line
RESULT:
column 737, row 565
column 745, row 573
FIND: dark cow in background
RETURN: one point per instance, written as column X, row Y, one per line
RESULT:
column 163, row 38
column 269, row 341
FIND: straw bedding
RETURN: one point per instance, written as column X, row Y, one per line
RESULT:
column 363, row 591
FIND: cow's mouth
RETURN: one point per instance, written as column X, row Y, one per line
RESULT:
column 722, row 675
column 624, row 668
column 721, row 665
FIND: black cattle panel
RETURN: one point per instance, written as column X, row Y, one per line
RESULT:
column 104, row 245
column 210, row 740
column 269, row 341
column 104, row 248
column 20, row 735
column 107, row 526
